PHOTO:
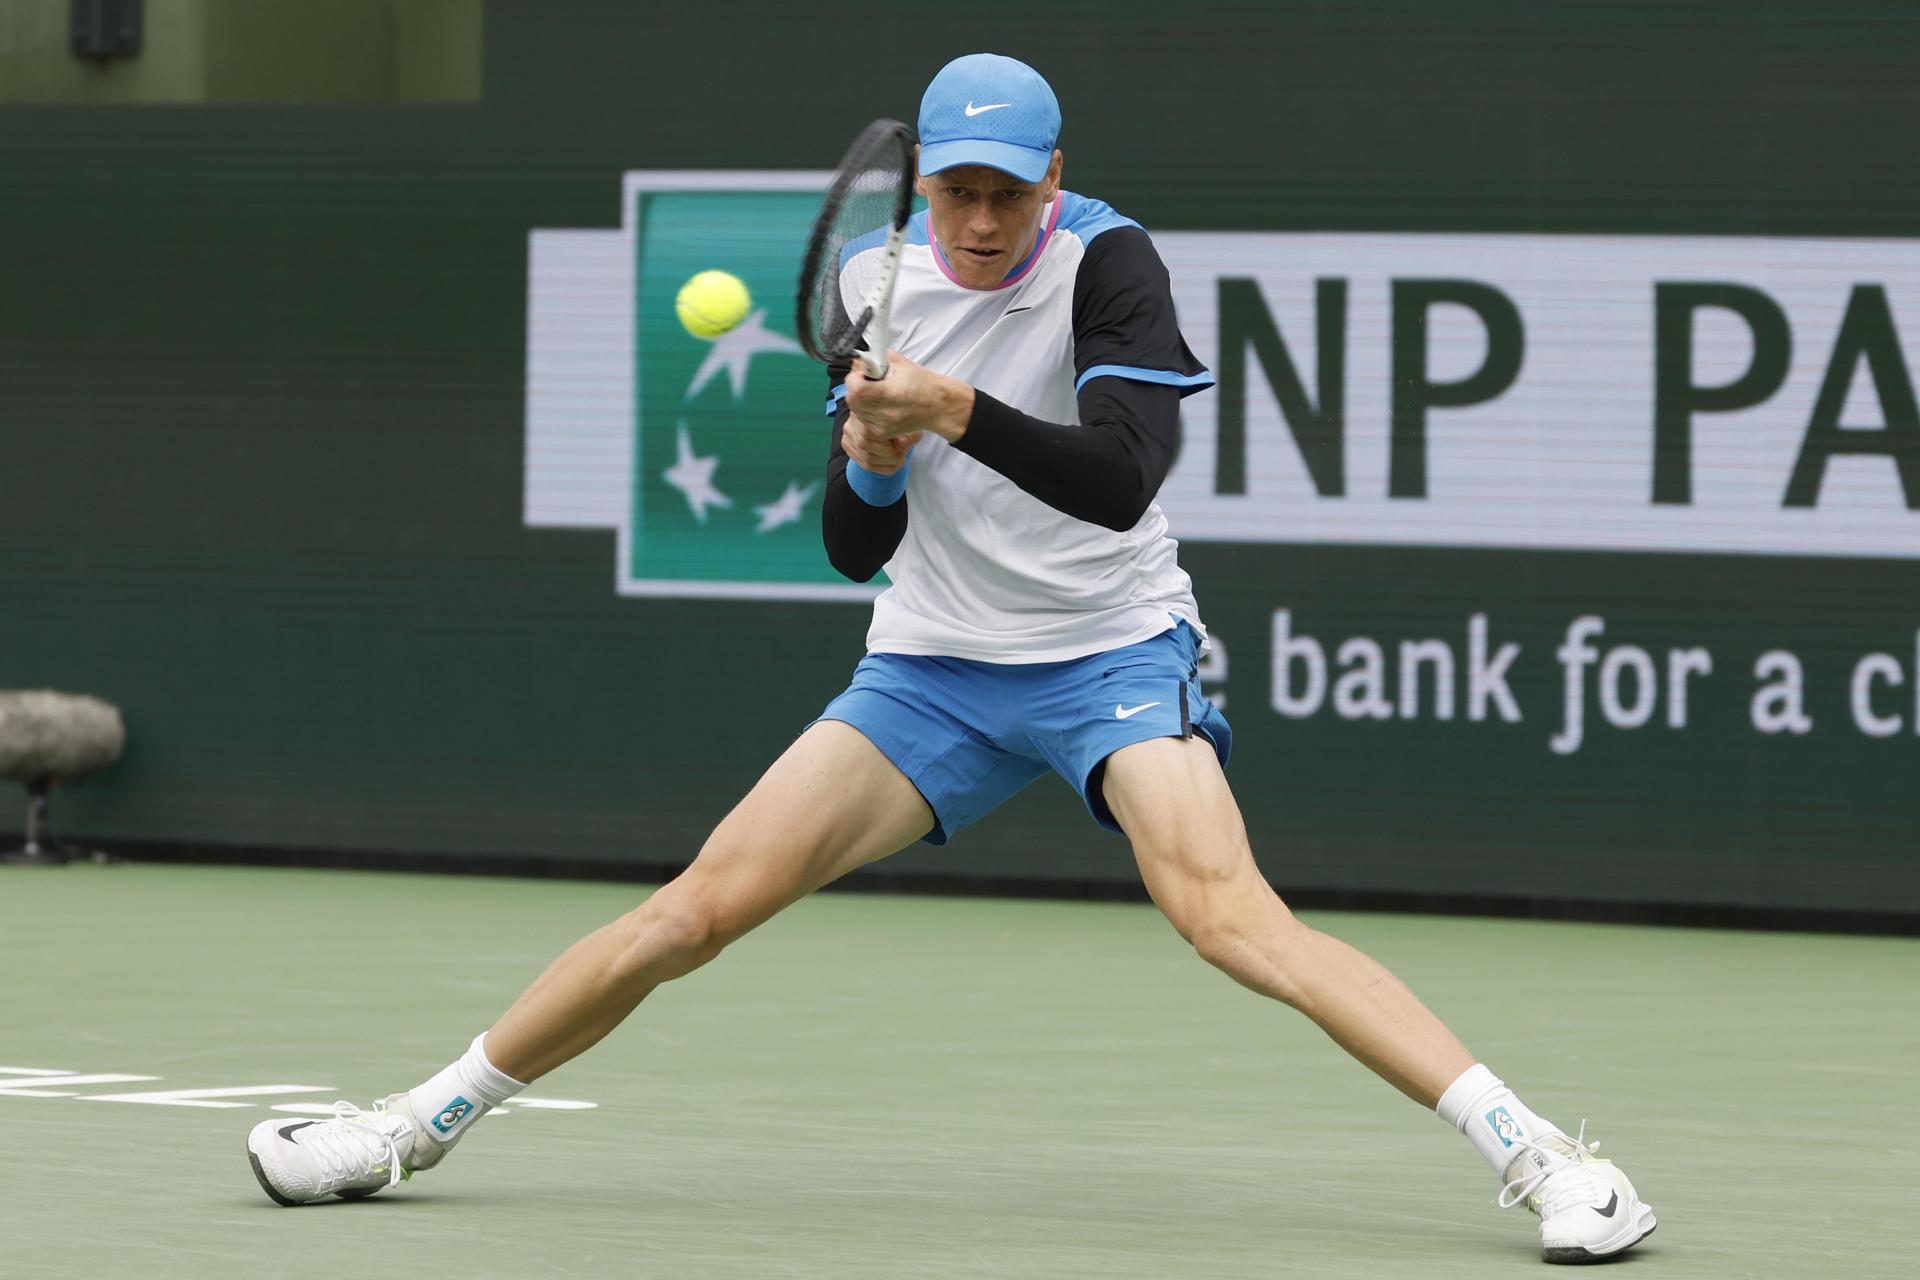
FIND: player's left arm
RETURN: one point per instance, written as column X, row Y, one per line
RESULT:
column 1132, row 367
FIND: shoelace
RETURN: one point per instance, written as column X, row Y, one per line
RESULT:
column 351, row 1145
column 1521, row 1189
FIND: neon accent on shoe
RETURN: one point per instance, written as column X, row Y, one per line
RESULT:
column 1588, row 1209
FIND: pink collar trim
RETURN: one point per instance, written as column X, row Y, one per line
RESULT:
column 1020, row 272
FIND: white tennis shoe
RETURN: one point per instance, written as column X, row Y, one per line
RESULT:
column 1588, row 1210
column 351, row 1155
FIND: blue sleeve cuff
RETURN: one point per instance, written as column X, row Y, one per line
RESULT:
column 877, row 491
column 1188, row 383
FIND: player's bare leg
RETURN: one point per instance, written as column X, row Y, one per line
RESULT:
column 831, row 803
column 1171, row 798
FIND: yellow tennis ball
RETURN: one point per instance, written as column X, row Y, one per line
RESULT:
column 712, row 303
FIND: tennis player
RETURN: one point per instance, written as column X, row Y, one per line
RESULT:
column 1003, row 473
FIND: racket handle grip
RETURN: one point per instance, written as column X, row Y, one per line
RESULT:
column 875, row 365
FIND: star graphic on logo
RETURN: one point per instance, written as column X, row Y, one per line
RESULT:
column 785, row 510
column 736, row 348
column 693, row 476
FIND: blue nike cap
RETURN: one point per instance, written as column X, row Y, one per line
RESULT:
column 992, row 110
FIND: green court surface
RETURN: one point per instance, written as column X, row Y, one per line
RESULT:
column 924, row 1087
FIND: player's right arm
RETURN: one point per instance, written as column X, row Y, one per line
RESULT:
column 1131, row 366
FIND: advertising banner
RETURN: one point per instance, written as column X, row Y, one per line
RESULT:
column 1508, row 542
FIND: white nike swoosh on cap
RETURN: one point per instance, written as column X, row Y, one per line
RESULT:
column 995, row 106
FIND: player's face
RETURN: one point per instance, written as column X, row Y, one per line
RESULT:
column 986, row 220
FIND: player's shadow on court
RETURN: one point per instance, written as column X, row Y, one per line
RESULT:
column 389, row 1203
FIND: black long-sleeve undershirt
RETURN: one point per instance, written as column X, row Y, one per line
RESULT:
column 1104, row 470
column 860, row 537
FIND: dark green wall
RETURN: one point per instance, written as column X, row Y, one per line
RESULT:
column 261, row 376
column 251, row 51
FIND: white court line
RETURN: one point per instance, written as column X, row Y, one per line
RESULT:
column 197, row 1097
column 532, row 1104
column 40, row 1086
column 47, row 1082
column 322, row 1109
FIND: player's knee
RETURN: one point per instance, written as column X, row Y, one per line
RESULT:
column 694, row 933
column 1220, row 939
column 1194, row 890
column 1259, row 945
column 673, row 937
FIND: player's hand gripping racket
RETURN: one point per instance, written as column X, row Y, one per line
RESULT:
column 854, row 250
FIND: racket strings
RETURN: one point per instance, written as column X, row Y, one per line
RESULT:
column 872, row 192
column 860, row 228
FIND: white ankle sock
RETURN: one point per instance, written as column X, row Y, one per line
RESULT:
column 461, row 1094
column 1480, row 1106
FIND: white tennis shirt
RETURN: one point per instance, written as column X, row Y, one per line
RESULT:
column 985, row 570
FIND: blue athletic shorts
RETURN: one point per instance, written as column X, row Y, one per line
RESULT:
column 971, row 734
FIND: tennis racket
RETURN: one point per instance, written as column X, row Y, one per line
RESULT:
column 854, row 250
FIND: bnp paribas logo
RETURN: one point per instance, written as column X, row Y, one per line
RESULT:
column 706, row 458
